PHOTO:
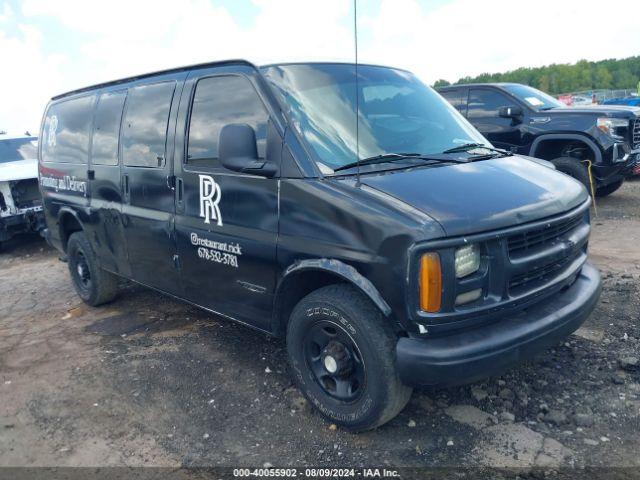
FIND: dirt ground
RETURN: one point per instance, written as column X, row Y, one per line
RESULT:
column 149, row 381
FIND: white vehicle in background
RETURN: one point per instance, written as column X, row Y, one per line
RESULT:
column 20, row 200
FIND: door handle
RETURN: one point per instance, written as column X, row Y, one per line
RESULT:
column 125, row 185
column 179, row 190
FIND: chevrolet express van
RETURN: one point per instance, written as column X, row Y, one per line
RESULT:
column 404, row 252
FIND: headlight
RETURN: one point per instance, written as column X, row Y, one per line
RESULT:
column 467, row 260
column 610, row 126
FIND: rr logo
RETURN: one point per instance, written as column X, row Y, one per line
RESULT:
column 209, row 198
column 53, row 126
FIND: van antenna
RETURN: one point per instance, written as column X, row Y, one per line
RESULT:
column 355, row 36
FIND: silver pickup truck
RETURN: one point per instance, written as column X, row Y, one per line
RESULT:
column 20, row 200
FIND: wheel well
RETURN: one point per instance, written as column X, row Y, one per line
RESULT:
column 68, row 225
column 550, row 149
column 295, row 288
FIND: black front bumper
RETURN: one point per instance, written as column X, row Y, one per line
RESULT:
column 616, row 170
column 484, row 351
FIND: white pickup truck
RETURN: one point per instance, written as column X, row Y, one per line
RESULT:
column 20, row 200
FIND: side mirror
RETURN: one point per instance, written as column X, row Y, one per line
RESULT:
column 238, row 151
column 510, row 112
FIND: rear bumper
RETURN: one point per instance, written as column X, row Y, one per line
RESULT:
column 470, row 355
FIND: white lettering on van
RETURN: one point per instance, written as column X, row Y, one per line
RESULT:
column 214, row 251
column 66, row 183
column 53, row 126
column 209, row 199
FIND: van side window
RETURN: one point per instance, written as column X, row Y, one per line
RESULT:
column 106, row 128
column 144, row 131
column 66, row 131
column 219, row 101
column 485, row 103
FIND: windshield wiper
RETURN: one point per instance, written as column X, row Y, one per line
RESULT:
column 470, row 146
column 390, row 157
column 464, row 147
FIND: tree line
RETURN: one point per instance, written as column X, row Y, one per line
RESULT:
column 563, row 78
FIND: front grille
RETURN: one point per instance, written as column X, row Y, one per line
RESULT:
column 522, row 242
column 539, row 275
column 635, row 135
column 537, row 256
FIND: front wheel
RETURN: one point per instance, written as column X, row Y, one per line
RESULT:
column 342, row 354
column 608, row 189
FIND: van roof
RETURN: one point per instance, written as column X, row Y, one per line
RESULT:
column 197, row 66
column 284, row 64
column 153, row 74
column 486, row 84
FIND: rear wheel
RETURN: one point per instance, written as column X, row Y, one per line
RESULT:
column 574, row 168
column 94, row 285
column 608, row 189
column 342, row 354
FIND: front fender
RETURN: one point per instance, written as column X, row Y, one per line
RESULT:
column 597, row 152
column 340, row 269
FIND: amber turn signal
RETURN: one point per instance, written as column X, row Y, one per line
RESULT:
column 430, row 282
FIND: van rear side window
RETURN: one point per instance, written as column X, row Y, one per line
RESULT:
column 66, row 131
column 106, row 128
column 219, row 101
column 144, row 131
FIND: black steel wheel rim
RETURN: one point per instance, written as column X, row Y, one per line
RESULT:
column 82, row 272
column 335, row 361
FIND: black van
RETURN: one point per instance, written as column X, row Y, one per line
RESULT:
column 392, row 248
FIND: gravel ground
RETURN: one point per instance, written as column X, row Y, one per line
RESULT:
column 150, row 381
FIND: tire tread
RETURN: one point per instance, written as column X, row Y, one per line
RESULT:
column 349, row 299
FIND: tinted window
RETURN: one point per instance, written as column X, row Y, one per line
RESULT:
column 219, row 101
column 534, row 98
column 106, row 128
column 486, row 103
column 66, row 131
column 457, row 98
column 18, row 149
column 144, row 131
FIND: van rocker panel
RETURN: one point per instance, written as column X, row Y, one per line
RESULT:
column 469, row 355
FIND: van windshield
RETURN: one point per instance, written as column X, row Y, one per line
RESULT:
column 18, row 149
column 397, row 112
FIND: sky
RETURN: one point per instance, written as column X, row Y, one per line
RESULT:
column 52, row 46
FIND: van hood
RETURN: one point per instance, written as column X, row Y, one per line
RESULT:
column 485, row 195
column 18, row 170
